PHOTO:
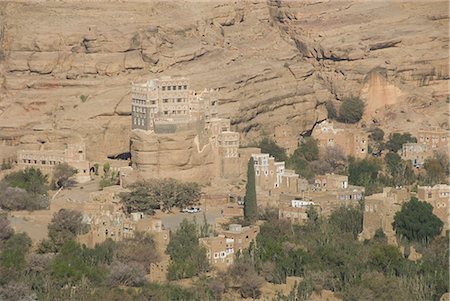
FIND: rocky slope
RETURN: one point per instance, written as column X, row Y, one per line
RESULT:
column 66, row 68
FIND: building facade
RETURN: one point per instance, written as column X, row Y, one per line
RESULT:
column 435, row 138
column 439, row 197
column 241, row 236
column 46, row 160
column 417, row 153
column 169, row 101
column 296, row 211
column 351, row 141
column 331, row 181
column 175, row 128
column 219, row 250
column 272, row 178
column 379, row 211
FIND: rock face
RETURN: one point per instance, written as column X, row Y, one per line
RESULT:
column 66, row 68
column 173, row 155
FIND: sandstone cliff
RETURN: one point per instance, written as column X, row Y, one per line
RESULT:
column 66, row 67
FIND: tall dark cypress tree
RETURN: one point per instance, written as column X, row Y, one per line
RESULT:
column 250, row 207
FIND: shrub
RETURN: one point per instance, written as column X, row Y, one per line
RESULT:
column 83, row 98
column 308, row 150
column 376, row 134
column 351, row 110
column 13, row 198
column 331, row 110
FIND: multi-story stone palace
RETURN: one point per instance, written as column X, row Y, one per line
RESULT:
column 176, row 132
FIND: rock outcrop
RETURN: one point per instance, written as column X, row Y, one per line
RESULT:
column 66, row 67
column 173, row 155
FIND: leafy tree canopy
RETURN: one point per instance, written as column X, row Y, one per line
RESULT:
column 416, row 222
column 396, row 141
column 364, row 173
column 268, row 146
column 351, row 110
column 188, row 258
column 30, row 179
column 146, row 196
column 376, row 134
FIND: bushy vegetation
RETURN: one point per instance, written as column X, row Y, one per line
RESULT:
column 365, row 173
column 65, row 225
column 109, row 177
column 396, row 141
column 307, row 151
column 436, row 170
column 416, row 222
column 331, row 110
column 351, row 110
column 324, row 251
column 165, row 194
column 328, row 255
column 401, row 172
column 268, row 146
column 188, row 258
column 62, row 175
column 30, row 179
column 24, row 190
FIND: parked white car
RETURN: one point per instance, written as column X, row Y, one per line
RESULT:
column 192, row 210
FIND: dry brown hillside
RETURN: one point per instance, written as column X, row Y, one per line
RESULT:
column 66, row 66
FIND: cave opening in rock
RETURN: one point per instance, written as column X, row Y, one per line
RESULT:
column 121, row 156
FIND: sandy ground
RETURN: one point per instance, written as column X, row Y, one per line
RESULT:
column 171, row 221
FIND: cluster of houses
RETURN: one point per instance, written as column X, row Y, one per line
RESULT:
column 168, row 106
column 428, row 142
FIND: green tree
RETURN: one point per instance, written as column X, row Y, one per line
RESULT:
column 188, row 258
column 14, row 251
column 62, row 175
column 396, row 141
column 347, row 219
column 268, row 146
column 75, row 263
column 65, row 225
column 308, row 150
column 351, row 110
column 385, row 258
column 250, row 205
column 416, row 222
column 146, row 196
column 301, row 167
column 30, row 179
column 140, row 199
column 376, row 134
column 364, row 173
column 401, row 171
